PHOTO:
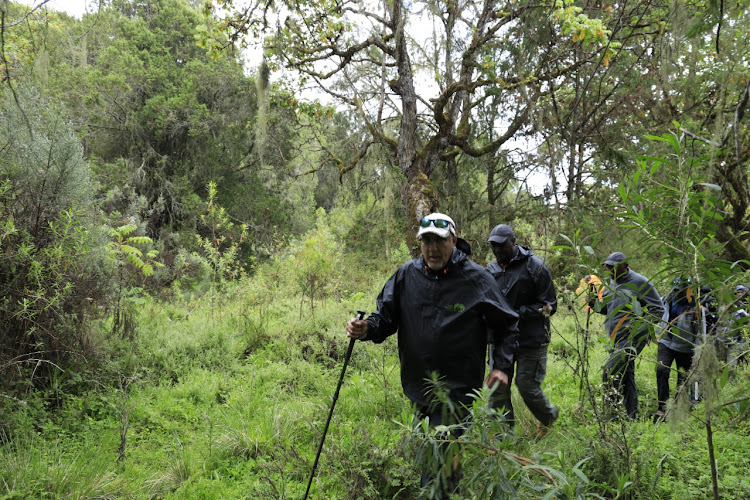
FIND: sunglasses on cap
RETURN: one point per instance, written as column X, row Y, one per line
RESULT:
column 682, row 281
column 438, row 223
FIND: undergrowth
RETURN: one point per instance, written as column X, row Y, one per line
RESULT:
column 230, row 402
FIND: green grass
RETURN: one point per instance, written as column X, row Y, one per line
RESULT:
column 230, row 401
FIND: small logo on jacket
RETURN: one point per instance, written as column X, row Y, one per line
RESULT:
column 455, row 308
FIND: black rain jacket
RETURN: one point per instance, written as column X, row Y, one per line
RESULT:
column 527, row 284
column 443, row 321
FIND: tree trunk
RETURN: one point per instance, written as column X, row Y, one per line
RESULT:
column 418, row 195
column 419, row 200
column 712, row 458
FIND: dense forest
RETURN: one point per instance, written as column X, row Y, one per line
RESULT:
column 185, row 230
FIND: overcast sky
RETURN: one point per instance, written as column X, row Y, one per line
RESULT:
column 73, row 7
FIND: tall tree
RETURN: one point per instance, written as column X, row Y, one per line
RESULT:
column 384, row 59
column 160, row 117
column 708, row 91
column 683, row 62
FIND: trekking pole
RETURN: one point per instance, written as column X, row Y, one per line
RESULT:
column 583, row 360
column 360, row 316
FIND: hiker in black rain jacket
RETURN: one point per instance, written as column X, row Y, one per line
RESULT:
column 631, row 304
column 442, row 305
column 527, row 285
column 682, row 329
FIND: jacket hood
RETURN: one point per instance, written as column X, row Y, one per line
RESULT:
column 464, row 246
column 522, row 254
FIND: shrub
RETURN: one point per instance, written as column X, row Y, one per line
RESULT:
column 53, row 273
column 317, row 262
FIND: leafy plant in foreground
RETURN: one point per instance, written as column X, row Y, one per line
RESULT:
column 481, row 448
column 124, row 251
column 51, row 269
column 220, row 246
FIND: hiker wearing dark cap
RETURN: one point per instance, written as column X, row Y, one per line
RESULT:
column 682, row 328
column 442, row 305
column 631, row 304
column 527, row 284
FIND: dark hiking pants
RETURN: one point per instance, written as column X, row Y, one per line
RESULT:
column 619, row 374
column 530, row 367
column 664, row 359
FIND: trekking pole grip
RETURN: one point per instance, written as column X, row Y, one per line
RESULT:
column 360, row 317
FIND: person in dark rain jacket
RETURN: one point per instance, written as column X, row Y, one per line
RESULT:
column 682, row 329
column 442, row 305
column 631, row 304
column 527, row 284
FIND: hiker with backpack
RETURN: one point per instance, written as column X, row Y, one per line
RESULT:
column 682, row 328
column 631, row 304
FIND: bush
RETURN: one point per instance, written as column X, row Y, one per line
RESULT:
column 54, row 275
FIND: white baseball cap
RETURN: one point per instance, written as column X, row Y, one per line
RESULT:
column 436, row 223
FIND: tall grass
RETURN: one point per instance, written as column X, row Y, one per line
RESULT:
column 230, row 402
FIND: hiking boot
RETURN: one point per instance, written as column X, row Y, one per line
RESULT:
column 542, row 430
column 658, row 415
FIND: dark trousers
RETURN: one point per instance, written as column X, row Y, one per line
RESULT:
column 619, row 374
column 443, row 480
column 530, row 365
column 664, row 359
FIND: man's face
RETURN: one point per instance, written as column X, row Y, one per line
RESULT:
column 504, row 251
column 436, row 250
column 618, row 270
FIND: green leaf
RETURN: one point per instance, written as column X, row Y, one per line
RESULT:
column 637, row 308
column 674, row 141
column 139, row 240
column 126, row 229
column 724, row 377
column 623, row 192
column 128, row 250
column 567, row 239
column 133, row 259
